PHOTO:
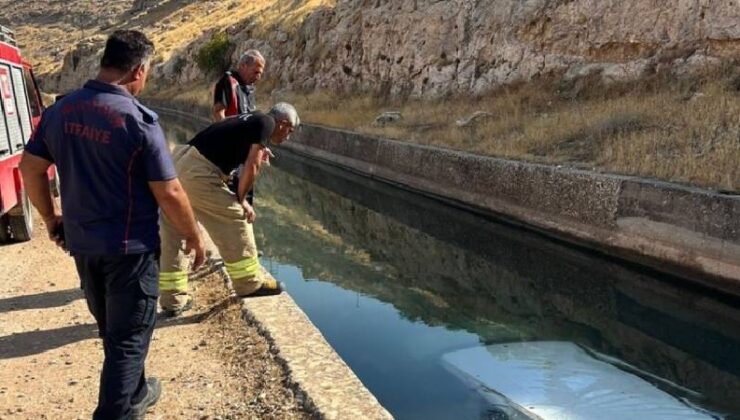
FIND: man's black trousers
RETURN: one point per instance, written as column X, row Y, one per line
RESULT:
column 121, row 293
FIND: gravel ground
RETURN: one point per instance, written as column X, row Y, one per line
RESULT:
column 212, row 364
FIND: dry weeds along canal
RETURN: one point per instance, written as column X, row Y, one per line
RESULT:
column 211, row 363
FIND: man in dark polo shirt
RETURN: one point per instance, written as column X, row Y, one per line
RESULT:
column 116, row 171
column 202, row 166
column 234, row 92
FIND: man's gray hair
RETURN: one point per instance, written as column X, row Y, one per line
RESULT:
column 285, row 111
column 250, row 57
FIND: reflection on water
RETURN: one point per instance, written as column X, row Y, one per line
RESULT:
column 455, row 271
column 395, row 281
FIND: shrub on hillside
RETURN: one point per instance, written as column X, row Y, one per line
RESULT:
column 215, row 56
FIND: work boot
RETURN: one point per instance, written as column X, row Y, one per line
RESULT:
column 270, row 287
column 154, row 391
column 175, row 303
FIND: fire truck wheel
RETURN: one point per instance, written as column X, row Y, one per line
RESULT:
column 21, row 220
column 4, row 229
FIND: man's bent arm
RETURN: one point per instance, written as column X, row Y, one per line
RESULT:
column 250, row 171
column 33, row 170
column 176, row 207
column 219, row 112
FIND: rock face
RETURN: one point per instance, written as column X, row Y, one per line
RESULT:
column 79, row 65
column 433, row 48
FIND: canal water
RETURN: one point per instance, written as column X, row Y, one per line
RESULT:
column 445, row 314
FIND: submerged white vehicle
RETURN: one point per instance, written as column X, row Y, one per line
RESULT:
column 555, row 380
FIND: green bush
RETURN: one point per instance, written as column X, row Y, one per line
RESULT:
column 215, row 56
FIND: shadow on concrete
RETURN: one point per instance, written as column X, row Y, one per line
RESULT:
column 40, row 300
column 35, row 342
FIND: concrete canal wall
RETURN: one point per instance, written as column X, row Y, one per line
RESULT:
column 687, row 231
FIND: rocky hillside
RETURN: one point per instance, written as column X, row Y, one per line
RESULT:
column 48, row 30
column 400, row 47
column 432, row 47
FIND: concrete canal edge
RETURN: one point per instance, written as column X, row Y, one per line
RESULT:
column 320, row 378
column 690, row 232
column 327, row 386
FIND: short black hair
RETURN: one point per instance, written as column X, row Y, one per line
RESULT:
column 126, row 49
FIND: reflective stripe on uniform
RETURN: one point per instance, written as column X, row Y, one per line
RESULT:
column 174, row 280
column 248, row 267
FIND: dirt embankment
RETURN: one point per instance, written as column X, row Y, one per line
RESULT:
column 212, row 365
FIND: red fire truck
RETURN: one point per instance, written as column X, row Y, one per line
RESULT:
column 20, row 111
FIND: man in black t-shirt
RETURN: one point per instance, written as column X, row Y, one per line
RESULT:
column 202, row 167
column 234, row 92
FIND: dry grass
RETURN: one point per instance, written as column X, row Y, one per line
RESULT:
column 175, row 26
column 286, row 14
column 251, row 365
column 196, row 98
column 171, row 24
column 683, row 132
column 198, row 95
column 47, row 29
column 174, row 30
